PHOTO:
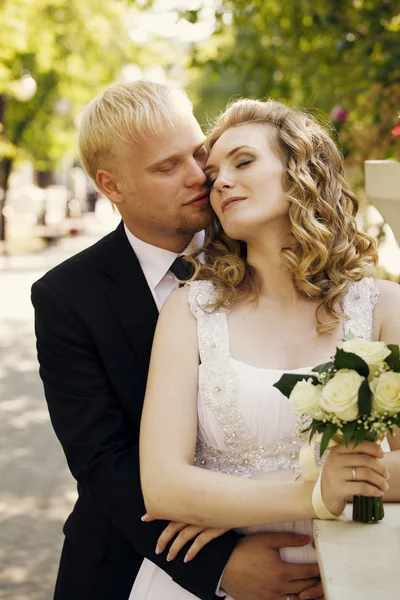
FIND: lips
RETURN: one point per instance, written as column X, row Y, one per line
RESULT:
column 230, row 201
column 200, row 199
column 202, row 195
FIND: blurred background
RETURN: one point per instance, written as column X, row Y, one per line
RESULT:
column 338, row 59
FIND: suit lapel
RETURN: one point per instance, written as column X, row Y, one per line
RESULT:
column 129, row 294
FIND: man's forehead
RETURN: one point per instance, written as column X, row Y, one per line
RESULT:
column 160, row 150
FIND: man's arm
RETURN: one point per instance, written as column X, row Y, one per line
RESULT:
column 99, row 443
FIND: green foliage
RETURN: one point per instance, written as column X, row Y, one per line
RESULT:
column 348, row 360
column 325, row 367
column 329, row 431
column 288, row 380
column 348, row 431
column 393, row 360
column 72, row 49
column 311, row 54
column 364, row 399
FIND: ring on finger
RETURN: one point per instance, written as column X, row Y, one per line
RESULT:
column 353, row 473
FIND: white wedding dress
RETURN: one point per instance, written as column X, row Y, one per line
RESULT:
column 245, row 425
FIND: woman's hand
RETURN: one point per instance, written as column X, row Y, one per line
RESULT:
column 184, row 533
column 350, row 471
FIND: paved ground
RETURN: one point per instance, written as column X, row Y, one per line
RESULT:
column 36, row 489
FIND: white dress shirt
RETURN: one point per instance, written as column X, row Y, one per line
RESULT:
column 155, row 263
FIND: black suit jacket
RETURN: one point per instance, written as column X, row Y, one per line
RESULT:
column 95, row 318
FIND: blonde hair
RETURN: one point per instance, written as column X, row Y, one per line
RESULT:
column 328, row 250
column 126, row 112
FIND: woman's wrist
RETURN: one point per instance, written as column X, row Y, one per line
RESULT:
column 319, row 506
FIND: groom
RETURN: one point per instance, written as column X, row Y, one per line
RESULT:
column 95, row 316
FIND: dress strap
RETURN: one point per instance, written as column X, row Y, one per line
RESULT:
column 212, row 326
column 358, row 306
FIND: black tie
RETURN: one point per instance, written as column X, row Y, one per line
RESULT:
column 182, row 269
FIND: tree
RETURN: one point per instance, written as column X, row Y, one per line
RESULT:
column 316, row 55
column 72, row 49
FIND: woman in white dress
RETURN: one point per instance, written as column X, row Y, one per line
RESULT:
column 270, row 303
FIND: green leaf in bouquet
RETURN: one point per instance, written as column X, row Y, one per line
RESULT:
column 396, row 420
column 348, row 336
column 289, row 380
column 393, row 360
column 348, row 431
column 330, row 430
column 325, row 367
column 364, row 399
column 361, row 435
column 313, row 429
column 348, row 360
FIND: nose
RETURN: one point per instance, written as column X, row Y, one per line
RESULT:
column 195, row 175
column 224, row 181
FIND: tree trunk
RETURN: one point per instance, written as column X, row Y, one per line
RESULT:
column 5, row 172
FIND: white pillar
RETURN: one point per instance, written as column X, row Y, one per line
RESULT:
column 382, row 186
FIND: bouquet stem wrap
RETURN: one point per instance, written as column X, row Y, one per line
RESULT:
column 366, row 509
column 352, row 398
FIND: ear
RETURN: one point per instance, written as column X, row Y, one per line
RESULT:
column 108, row 183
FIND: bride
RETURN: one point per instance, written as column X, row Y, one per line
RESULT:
column 286, row 275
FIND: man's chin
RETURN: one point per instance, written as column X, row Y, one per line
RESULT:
column 196, row 224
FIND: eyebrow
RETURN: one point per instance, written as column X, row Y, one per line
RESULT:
column 208, row 167
column 171, row 158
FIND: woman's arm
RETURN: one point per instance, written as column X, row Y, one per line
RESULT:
column 387, row 315
column 176, row 490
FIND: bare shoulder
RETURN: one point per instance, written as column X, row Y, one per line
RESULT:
column 386, row 310
column 389, row 294
column 177, row 301
column 176, row 309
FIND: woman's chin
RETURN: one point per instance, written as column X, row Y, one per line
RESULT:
column 238, row 231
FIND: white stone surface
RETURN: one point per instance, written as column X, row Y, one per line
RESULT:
column 360, row 561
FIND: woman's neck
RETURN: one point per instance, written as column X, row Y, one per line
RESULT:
column 276, row 278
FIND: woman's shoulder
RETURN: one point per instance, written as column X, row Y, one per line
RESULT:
column 387, row 308
column 389, row 295
column 175, row 315
column 177, row 301
column 193, row 299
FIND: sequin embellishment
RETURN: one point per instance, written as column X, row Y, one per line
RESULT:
column 242, row 455
column 358, row 305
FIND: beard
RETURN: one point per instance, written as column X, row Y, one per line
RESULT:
column 190, row 226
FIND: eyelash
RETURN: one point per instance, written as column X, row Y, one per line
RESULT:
column 168, row 169
column 198, row 154
column 242, row 164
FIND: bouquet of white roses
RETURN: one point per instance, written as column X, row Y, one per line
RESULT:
column 355, row 397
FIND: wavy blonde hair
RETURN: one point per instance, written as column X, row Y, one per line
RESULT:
column 328, row 250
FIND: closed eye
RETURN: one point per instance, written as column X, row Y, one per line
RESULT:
column 242, row 164
column 168, row 168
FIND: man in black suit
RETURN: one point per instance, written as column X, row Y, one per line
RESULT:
column 95, row 317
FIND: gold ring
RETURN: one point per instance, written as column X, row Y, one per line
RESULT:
column 353, row 471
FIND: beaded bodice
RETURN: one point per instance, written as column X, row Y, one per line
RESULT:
column 245, row 425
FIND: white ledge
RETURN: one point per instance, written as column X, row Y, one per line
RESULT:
column 357, row 560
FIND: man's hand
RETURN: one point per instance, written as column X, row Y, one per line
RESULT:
column 255, row 570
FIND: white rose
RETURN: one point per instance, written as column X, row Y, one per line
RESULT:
column 372, row 352
column 386, row 393
column 340, row 394
column 305, row 399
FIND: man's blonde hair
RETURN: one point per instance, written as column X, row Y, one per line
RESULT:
column 126, row 112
